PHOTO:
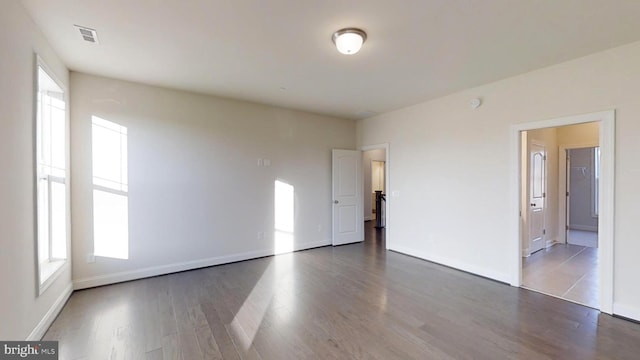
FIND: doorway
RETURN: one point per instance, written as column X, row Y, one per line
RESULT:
column 561, row 260
column 558, row 255
column 375, row 160
column 377, row 191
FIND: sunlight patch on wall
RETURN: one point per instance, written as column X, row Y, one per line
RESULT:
column 110, row 189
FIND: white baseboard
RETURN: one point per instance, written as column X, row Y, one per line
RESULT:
column 182, row 266
column 583, row 228
column 454, row 263
column 631, row 312
column 42, row 327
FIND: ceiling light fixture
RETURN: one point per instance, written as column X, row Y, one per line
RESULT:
column 349, row 40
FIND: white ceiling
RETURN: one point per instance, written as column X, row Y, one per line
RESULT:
column 280, row 51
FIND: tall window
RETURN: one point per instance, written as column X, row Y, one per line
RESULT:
column 51, row 171
column 110, row 189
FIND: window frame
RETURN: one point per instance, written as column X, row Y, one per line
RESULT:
column 51, row 267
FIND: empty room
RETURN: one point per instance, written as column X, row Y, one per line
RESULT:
column 294, row 179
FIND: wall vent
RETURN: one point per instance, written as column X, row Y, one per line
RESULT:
column 88, row 34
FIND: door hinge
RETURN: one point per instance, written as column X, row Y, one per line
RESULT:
column 544, row 231
column 544, row 158
column 567, row 193
column 544, row 194
column 566, row 227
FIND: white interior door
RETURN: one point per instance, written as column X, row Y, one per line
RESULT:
column 348, row 220
column 537, row 196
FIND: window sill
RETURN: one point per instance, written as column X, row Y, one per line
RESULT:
column 49, row 272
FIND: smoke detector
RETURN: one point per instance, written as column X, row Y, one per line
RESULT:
column 88, row 34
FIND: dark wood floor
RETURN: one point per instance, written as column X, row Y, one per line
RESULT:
column 352, row 301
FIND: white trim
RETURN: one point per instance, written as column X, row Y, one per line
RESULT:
column 606, row 198
column 100, row 280
column 583, row 227
column 631, row 312
column 39, row 63
column 387, row 187
column 606, row 193
column 48, row 318
column 53, row 276
column 453, row 263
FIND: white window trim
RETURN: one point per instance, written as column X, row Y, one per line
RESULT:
column 56, row 267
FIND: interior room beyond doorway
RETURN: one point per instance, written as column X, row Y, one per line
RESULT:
column 564, row 220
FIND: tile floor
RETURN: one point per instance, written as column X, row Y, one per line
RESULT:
column 583, row 238
column 567, row 271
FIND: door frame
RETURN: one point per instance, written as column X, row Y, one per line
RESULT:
column 563, row 180
column 387, row 181
column 605, row 197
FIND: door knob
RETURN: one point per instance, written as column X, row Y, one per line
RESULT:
column 532, row 204
column 335, row 201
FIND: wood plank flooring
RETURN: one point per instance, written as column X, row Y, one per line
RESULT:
column 353, row 301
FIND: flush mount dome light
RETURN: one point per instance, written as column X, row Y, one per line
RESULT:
column 349, row 41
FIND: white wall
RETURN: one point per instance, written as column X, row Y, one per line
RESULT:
column 367, row 157
column 585, row 135
column 21, row 311
column 196, row 194
column 451, row 164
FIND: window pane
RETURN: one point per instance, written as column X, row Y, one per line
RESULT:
column 538, row 175
column 58, row 220
column 58, row 138
column 43, row 220
column 45, row 117
column 110, row 225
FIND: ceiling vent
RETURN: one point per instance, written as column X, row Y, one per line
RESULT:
column 88, row 34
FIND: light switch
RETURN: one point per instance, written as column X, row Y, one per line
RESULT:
column 395, row 193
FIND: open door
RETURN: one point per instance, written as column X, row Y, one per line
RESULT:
column 537, row 197
column 348, row 220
